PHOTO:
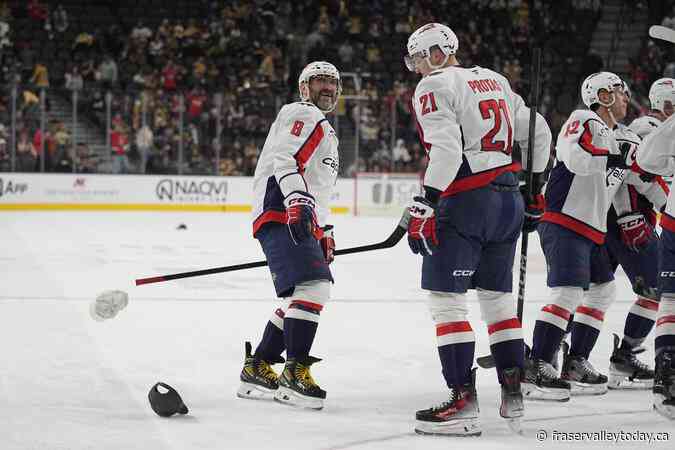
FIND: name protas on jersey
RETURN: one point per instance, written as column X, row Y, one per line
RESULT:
column 486, row 85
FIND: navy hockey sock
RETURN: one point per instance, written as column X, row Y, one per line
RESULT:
column 456, row 361
column 546, row 340
column 549, row 330
column 583, row 339
column 300, row 324
column 639, row 322
column 586, row 327
column 272, row 343
column 665, row 325
column 456, row 345
column 506, row 344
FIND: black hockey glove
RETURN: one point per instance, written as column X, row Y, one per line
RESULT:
column 534, row 201
column 621, row 160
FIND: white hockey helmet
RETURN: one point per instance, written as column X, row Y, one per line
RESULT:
column 626, row 90
column 592, row 85
column 318, row 68
column 425, row 38
column 662, row 90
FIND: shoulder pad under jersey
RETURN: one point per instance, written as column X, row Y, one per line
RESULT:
column 624, row 132
column 305, row 111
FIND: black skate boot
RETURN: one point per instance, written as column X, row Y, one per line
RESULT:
column 512, row 408
column 258, row 380
column 626, row 371
column 458, row 416
column 297, row 387
column 582, row 376
column 664, row 383
column 542, row 382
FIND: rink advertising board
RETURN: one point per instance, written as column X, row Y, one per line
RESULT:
column 63, row 192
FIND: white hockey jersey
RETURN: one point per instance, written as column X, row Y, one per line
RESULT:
column 657, row 156
column 635, row 194
column 580, row 188
column 644, row 125
column 300, row 154
column 468, row 120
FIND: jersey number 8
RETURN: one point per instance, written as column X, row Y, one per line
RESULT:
column 493, row 108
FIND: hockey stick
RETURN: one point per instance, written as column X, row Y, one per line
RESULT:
column 392, row 240
column 488, row 361
column 663, row 33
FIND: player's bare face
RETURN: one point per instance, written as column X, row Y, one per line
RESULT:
column 323, row 91
column 668, row 108
column 620, row 106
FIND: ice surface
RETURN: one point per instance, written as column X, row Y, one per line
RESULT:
column 68, row 382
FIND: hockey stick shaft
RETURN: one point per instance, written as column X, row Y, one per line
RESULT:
column 663, row 33
column 488, row 361
column 529, row 174
column 392, row 240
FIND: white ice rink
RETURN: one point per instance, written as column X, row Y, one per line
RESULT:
column 68, row 382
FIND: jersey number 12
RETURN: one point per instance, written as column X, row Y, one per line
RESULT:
column 497, row 109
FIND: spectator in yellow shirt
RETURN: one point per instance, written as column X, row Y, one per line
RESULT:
column 40, row 76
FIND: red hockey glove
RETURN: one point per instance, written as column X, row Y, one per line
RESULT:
column 328, row 244
column 422, row 227
column 635, row 230
column 301, row 219
column 534, row 202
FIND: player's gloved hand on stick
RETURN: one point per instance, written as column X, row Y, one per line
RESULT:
column 534, row 202
column 301, row 217
column 422, row 236
column 328, row 244
column 622, row 160
column 635, row 230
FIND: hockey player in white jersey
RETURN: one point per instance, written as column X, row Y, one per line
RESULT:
column 657, row 157
column 662, row 103
column 293, row 182
column 589, row 168
column 637, row 204
column 468, row 221
column 631, row 242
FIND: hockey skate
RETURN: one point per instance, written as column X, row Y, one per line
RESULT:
column 258, row 380
column 582, row 376
column 297, row 387
column 512, row 408
column 457, row 416
column 626, row 371
column 664, row 384
column 542, row 382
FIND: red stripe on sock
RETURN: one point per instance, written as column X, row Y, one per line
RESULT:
column 665, row 319
column 648, row 304
column 452, row 327
column 315, row 306
column 595, row 313
column 503, row 325
column 557, row 310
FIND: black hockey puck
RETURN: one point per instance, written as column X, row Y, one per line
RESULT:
column 181, row 226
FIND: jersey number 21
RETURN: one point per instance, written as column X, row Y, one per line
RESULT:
column 496, row 110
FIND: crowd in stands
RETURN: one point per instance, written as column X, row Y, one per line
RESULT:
column 203, row 88
column 655, row 59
